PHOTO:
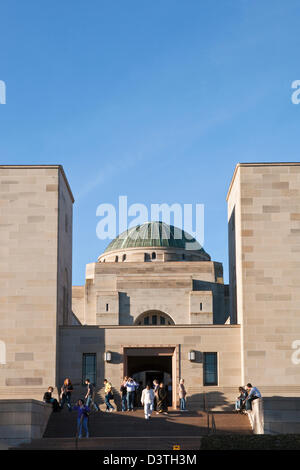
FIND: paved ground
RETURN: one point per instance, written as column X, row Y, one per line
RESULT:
column 130, row 430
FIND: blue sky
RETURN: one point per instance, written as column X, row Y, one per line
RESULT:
column 154, row 100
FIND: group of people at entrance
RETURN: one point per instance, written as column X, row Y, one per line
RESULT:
column 246, row 396
column 153, row 398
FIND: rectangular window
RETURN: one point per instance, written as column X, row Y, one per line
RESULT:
column 106, row 307
column 154, row 319
column 200, row 306
column 89, row 367
column 210, row 368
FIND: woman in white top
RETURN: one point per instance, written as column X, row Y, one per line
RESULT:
column 147, row 400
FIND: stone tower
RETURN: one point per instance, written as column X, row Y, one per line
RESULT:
column 35, row 275
column 264, row 264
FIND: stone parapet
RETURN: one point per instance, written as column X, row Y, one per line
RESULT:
column 22, row 420
column 256, row 416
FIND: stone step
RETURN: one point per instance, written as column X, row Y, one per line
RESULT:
column 129, row 430
column 117, row 443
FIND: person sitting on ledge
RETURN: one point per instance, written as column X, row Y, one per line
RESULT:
column 240, row 400
column 253, row 394
column 48, row 399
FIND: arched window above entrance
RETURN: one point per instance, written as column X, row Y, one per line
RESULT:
column 154, row 317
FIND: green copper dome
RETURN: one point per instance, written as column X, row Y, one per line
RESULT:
column 155, row 234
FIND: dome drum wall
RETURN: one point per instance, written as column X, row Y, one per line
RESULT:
column 136, row 255
column 154, row 241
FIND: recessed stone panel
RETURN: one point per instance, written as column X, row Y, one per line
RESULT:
column 19, row 381
column 24, row 356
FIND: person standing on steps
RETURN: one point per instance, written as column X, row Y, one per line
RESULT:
column 138, row 394
column 182, row 395
column 90, row 395
column 108, row 395
column 147, row 400
column 65, row 395
column 155, row 389
column 170, row 394
column 130, row 387
column 123, row 391
column 82, row 418
column 162, row 399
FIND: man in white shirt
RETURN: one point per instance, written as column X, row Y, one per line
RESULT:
column 147, row 401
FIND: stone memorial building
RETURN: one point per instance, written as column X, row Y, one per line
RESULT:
column 150, row 306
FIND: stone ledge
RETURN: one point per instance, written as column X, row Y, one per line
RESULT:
column 22, row 420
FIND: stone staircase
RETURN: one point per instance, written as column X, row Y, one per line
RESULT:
column 130, row 431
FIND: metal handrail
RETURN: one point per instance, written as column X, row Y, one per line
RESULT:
column 206, row 411
column 77, row 432
column 211, row 424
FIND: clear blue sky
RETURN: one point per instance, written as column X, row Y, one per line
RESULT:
column 154, row 100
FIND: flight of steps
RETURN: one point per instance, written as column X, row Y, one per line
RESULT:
column 129, row 430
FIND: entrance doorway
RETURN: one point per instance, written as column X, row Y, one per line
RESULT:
column 147, row 364
column 151, row 376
